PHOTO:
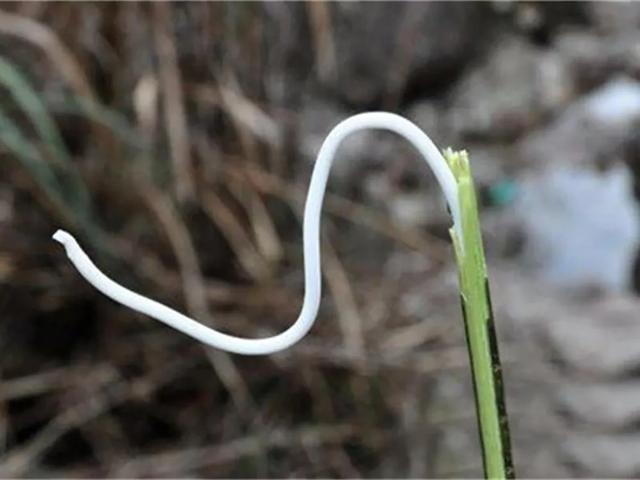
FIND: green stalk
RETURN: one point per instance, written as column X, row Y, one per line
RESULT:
column 479, row 326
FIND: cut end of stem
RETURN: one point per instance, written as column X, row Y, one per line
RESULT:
column 458, row 163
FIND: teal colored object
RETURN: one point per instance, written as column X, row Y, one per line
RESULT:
column 503, row 193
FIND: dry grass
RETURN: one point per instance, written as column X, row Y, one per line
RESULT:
column 189, row 165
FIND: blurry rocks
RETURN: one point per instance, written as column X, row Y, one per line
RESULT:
column 578, row 212
column 607, row 405
column 591, row 131
column 383, row 48
column 602, row 455
column 593, row 339
column 430, row 117
column 582, row 227
column 612, row 46
column 596, row 392
column 615, row 17
column 510, row 92
column 573, row 394
column 593, row 58
column 542, row 20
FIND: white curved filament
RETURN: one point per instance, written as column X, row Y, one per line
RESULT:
column 311, row 243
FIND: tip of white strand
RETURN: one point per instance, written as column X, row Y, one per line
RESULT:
column 62, row 237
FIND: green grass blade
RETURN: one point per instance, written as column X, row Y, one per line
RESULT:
column 31, row 159
column 16, row 143
column 479, row 326
column 101, row 115
column 49, row 162
column 31, row 104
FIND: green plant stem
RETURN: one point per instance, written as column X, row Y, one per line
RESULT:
column 479, row 327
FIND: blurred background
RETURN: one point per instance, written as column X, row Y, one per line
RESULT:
column 176, row 141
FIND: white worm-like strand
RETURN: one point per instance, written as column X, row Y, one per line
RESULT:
column 311, row 243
